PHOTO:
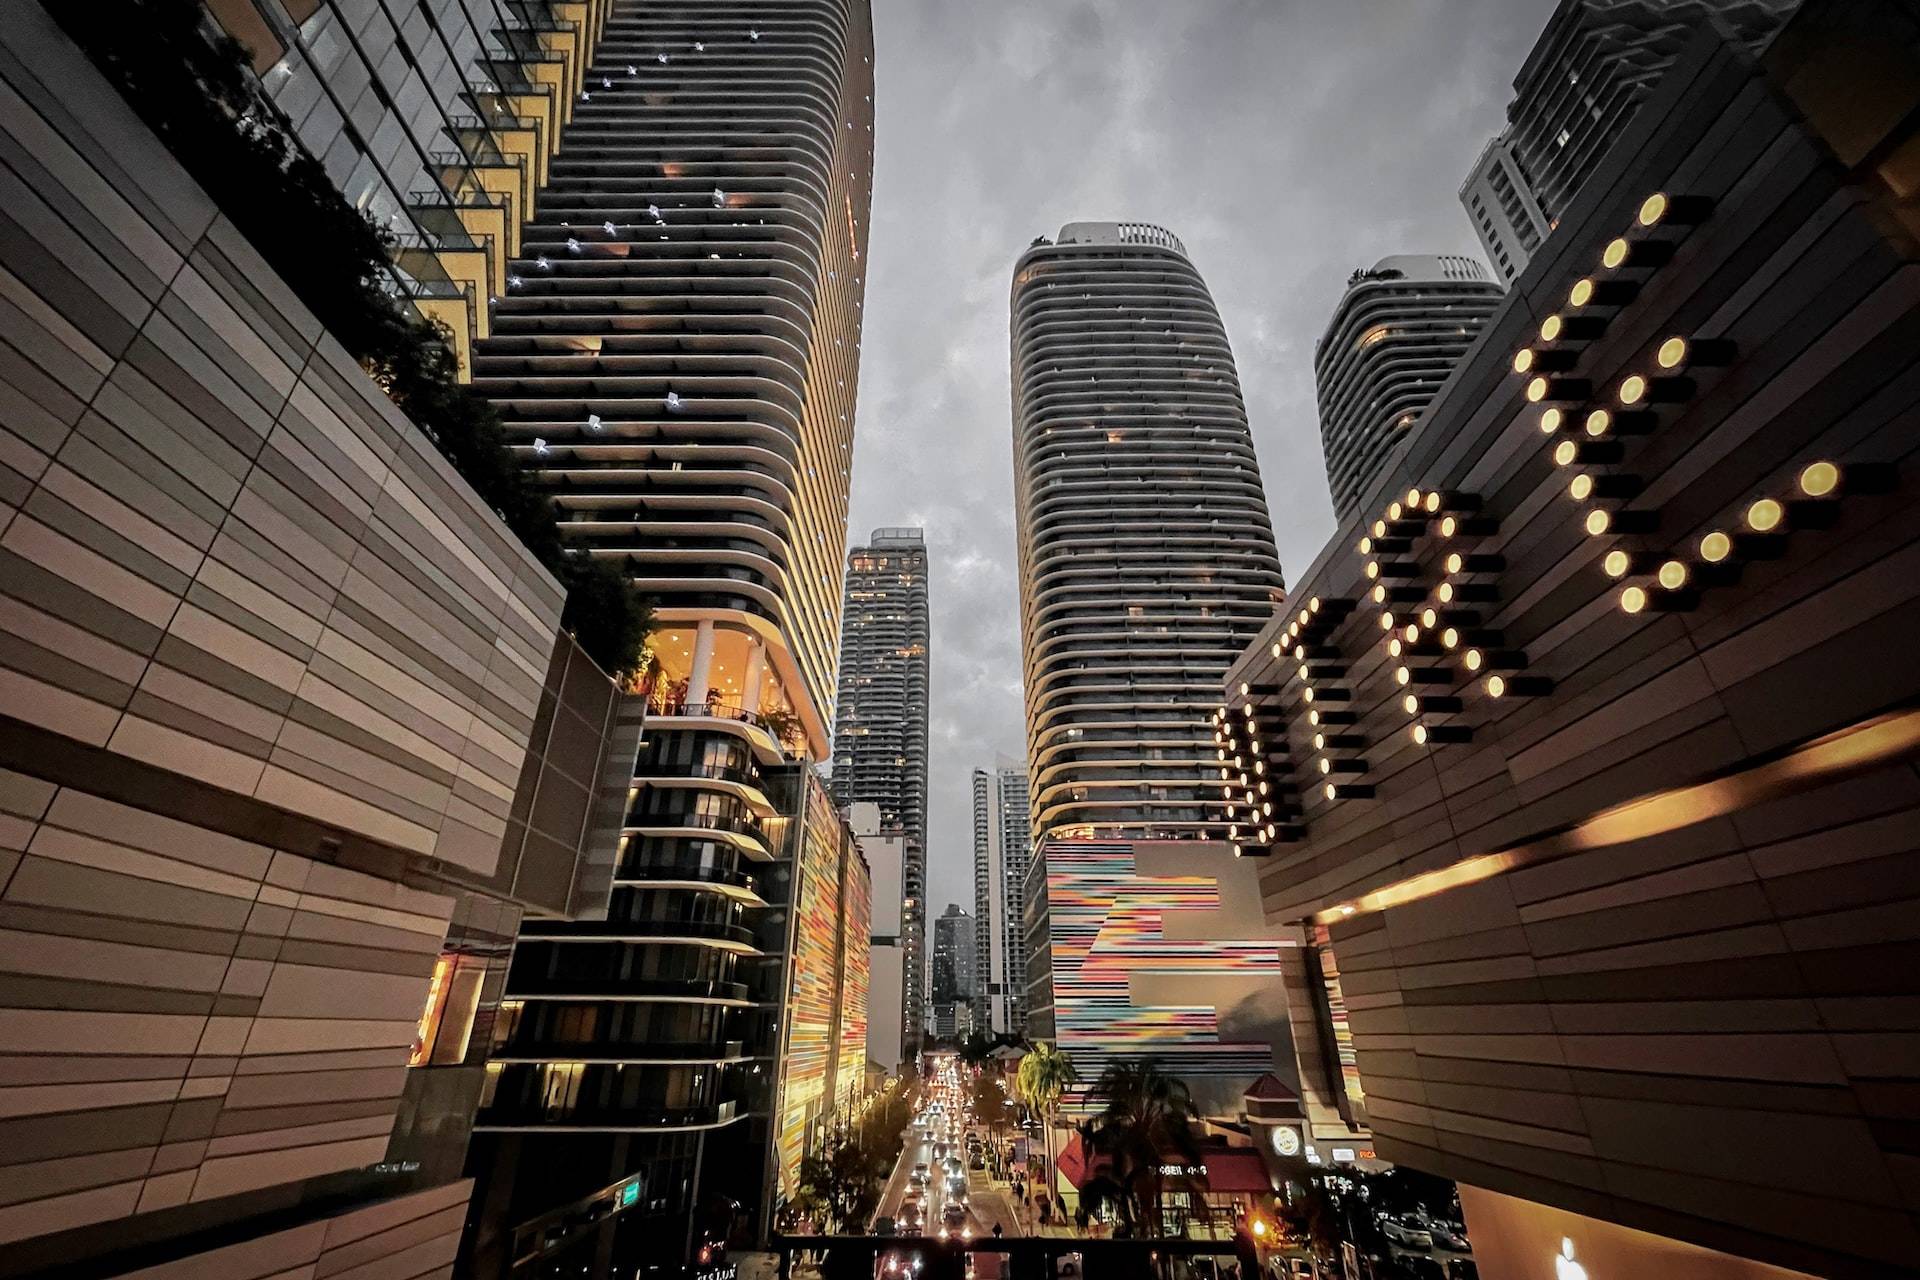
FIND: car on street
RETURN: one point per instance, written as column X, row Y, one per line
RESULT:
column 1447, row 1235
column 1405, row 1233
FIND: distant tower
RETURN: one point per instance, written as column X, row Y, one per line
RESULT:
column 953, row 966
column 1001, row 842
column 1588, row 73
column 880, row 725
column 1396, row 334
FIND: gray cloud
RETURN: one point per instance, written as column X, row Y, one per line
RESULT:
column 1285, row 141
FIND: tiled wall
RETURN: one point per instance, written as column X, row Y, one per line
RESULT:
column 268, row 674
column 223, row 553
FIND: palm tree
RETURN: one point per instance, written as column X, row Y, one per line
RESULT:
column 1043, row 1075
column 1146, row 1127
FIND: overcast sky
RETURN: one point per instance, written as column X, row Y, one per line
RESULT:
column 1285, row 141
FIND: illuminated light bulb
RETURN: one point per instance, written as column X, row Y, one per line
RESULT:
column 1765, row 515
column 1266, row 808
column 1445, row 593
column 1276, row 648
column 1429, row 616
column 1652, row 209
column 1373, row 568
column 1313, row 605
column 1420, row 734
column 1633, row 390
column 1537, row 390
column 1715, row 547
column 1403, row 675
column 1412, row 633
column 1319, row 742
column 1331, row 793
column 1303, row 673
column 1413, row 499
column 1393, row 647
column 1672, row 353
column 1221, row 754
column 1379, row 528
column 1633, row 599
column 1819, row 479
column 1307, row 694
column 1450, row 637
column 1380, row 594
column 1454, row 562
column 1447, row 527
column 1313, row 717
column 1412, row 703
column 1598, row 422
column 1673, row 575
column 1582, row 293
column 1550, row 421
column 1300, row 651
column 1565, row 452
column 1259, row 768
column 1496, row 686
column 1581, row 489
column 1598, row 522
column 1433, row 502
column 1386, row 622
column 1326, row 765
column 1245, row 688
column 1395, row 511
column 1523, row 360
column 1473, row 659
column 1303, row 617
column 1617, row 563
column 1366, row 546
column 1614, row 254
column 1550, row 328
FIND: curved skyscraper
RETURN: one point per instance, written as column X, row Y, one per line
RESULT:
column 674, row 359
column 1398, row 331
column 1146, row 555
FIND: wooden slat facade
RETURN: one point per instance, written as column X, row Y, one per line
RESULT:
column 1646, row 946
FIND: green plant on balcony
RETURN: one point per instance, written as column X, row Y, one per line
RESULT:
column 196, row 92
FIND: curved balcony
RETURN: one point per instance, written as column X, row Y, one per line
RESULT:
column 648, row 1053
column 672, row 873
column 664, row 989
column 752, row 837
column 522, row 1119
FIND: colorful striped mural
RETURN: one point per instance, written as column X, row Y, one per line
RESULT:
column 1106, row 925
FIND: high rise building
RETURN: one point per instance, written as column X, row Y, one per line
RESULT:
column 1505, row 214
column 953, row 967
column 1617, row 882
column 1001, row 841
column 880, row 724
column 1146, row 555
column 885, row 850
column 436, row 120
column 1593, row 65
column 674, row 360
column 290, row 739
column 1395, row 336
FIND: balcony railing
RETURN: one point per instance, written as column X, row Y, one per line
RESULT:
column 639, row 870
column 701, row 822
column 563, row 988
column 540, row 1049
column 521, row 1116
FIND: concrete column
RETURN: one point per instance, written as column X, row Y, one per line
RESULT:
column 755, row 677
column 698, row 677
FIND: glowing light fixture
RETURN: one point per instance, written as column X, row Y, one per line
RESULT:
column 1496, row 686
column 1582, row 292
column 1598, row 522
column 1550, row 421
column 1581, row 489
column 1818, row 479
column 1633, row 390
column 1537, row 390
column 1633, row 599
column 1672, row 353
column 1598, row 422
column 1614, row 254
column 1523, row 360
column 1550, row 328
column 1715, row 547
column 1652, row 209
column 1617, row 563
column 1565, row 452
column 1673, row 575
column 1765, row 515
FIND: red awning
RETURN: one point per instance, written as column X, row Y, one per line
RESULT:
column 1236, row 1170
column 1072, row 1163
